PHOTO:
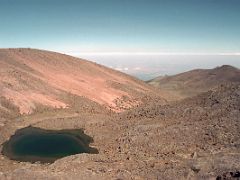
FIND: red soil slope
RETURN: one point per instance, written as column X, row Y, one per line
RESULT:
column 29, row 78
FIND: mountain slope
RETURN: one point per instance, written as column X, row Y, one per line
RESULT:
column 197, row 137
column 196, row 81
column 34, row 78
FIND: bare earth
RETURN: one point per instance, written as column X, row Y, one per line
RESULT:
column 33, row 77
column 138, row 134
column 193, row 82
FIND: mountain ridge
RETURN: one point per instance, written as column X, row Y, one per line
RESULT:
column 191, row 83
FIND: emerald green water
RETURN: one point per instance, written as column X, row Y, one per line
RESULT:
column 34, row 144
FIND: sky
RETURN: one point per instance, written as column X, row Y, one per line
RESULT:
column 121, row 29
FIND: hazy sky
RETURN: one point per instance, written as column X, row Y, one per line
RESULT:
column 141, row 27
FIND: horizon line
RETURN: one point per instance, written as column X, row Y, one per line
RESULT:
column 153, row 54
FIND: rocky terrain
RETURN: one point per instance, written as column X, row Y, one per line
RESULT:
column 193, row 82
column 193, row 138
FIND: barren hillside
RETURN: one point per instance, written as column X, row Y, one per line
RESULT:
column 194, row 138
column 33, row 79
column 197, row 81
